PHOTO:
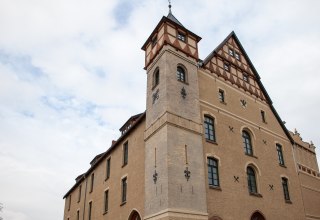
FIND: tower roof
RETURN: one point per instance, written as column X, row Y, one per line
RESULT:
column 173, row 18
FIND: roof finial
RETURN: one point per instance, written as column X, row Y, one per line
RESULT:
column 169, row 6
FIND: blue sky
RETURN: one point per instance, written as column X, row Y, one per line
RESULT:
column 71, row 73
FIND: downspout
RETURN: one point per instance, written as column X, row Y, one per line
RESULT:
column 85, row 198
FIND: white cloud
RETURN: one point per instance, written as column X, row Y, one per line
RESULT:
column 71, row 74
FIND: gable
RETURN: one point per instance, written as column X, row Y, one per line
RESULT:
column 240, row 72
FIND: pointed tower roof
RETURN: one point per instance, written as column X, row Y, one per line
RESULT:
column 173, row 18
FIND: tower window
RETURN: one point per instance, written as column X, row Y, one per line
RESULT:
column 79, row 193
column 231, row 52
column 124, row 190
column 285, row 189
column 156, row 77
column 221, row 95
column 154, row 41
column 280, row 154
column 181, row 36
column 226, row 66
column 252, row 184
column 237, row 55
column 181, row 74
column 209, row 129
column 247, row 143
column 125, row 154
column 213, row 174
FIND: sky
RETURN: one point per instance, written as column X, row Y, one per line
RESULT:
column 71, row 73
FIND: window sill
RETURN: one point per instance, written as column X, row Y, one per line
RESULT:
column 106, row 212
column 106, row 179
column 249, row 155
column 255, row 194
column 211, row 142
column 282, row 165
column 288, row 201
column 215, row 188
column 123, row 165
column 222, row 102
column 123, row 203
column 183, row 82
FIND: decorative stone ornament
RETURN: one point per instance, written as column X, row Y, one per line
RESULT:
column 187, row 173
column 183, row 93
column 243, row 103
column 236, row 178
column 155, row 177
column 271, row 187
column 155, row 96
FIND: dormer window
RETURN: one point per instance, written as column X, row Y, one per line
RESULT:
column 154, row 40
column 181, row 36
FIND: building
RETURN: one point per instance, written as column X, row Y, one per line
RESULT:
column 210, row 144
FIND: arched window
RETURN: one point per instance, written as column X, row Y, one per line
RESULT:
column 134, row 215
column 257, row 216
column 247, row 143
column 213, row 174
column 181, row 74
column 285, row 189
column 209, row 129
column 156, row 77
column 252, row 184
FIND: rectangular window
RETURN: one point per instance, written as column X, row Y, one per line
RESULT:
column 108, row 168
column 181, row 36
column 92, row 182
column 285, row 189
column 90, row 211
column 280, row 154
column 69, row 202
column 213, row 174
column 231, row 52
column 124, row 190
column 106, row 201
column 154, row 41
column 237, row 55
column 125, row 153
column 226, row 66
column 209, row 129
column 78, row 215
column 79, row 193
column 263, row 116
column 245, row 77
column 221, row 95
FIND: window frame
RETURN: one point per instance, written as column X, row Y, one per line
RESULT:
column 247, row 143
column 79, row 193
column 209, row 128
column 252, row 180
column 181, row 75
column 181, row 36
column 108, row 170
column 237, row 56
column 285, row 188
column 90, row 210
column 154, row 40
column 124, row 190
column 263, row 116
column 106, row 201
column 226, row 66
column 69, row 202
column 91, row 183
column 245, row 77
column 221, row 95
column 213, row 172
column 280, row 154
column 231, row 52
column 125, row 155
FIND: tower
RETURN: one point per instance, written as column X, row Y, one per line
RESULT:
column 174, row 166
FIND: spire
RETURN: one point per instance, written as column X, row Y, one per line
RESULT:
column 171, row 17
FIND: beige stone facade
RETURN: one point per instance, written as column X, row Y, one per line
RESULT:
column 209, row 146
